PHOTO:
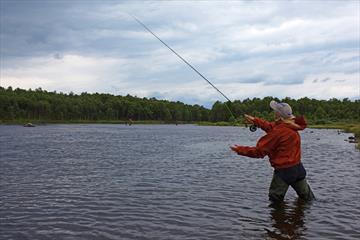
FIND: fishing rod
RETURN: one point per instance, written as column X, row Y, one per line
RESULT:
column 252, row 128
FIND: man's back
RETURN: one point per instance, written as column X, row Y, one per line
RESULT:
column 285, row 148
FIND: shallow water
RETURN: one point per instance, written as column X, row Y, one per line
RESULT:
column 167, row 182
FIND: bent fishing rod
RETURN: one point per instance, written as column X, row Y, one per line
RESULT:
column 252, row 127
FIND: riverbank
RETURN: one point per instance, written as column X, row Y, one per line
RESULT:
column 356, row 130
column 346, row 127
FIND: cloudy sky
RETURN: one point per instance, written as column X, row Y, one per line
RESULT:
column 246, row 48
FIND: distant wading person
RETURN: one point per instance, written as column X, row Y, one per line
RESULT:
column 282, row 145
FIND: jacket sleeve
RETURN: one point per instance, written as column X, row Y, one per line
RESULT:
column 263, row 124
column 264, row 146
column 301, row 121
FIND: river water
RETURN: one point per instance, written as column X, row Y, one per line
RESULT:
column 167, row 182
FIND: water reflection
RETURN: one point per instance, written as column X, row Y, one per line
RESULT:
column 287, row 220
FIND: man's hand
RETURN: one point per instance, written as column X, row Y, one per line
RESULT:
column 249, row 119
column 234, row 147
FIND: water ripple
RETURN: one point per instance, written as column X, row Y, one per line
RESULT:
column 167, row 182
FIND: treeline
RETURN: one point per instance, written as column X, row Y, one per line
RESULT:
column 40, row 105
column 315, row 111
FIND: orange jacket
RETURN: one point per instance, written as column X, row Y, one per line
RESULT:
column 281, row 143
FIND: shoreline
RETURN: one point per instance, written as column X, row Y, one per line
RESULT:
column 345, row 127
column 353, row 128
column 339, row 125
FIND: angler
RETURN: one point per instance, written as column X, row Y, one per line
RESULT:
column 282, row 144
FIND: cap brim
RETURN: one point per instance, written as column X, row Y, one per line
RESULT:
column 274, row 105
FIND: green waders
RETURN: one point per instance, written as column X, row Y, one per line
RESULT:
column 279, row 187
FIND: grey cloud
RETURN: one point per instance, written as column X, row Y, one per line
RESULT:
column 251, row 79
column 51, row 26
column 37, row 37
column 58, row 56
column 204, row 32
column 78, row 27
column 286, row 80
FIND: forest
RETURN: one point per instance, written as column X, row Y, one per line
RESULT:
column 19, row 105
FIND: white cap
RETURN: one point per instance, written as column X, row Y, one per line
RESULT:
column 283, row 109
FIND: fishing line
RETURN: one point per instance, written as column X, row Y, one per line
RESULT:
column 192, row 67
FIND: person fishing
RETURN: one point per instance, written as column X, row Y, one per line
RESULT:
column 282, row 144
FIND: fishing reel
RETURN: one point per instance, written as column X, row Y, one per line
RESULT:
column 253, row 128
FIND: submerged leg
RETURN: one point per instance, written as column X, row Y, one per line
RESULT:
column 278, row 189
column 303, row 190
